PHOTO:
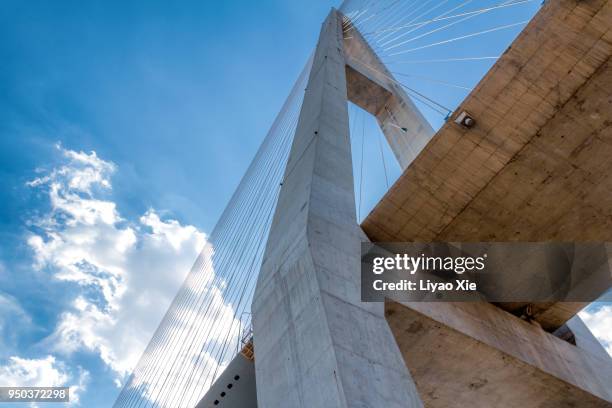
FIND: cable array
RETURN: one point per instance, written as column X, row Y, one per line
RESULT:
column 436, row 51
column 200, row 332
column 437, row 32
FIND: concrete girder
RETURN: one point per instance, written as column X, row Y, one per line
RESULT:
column 472, row 354
column 535, row 167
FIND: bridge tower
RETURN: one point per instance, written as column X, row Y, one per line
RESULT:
column 316, row 343
column 313, row 342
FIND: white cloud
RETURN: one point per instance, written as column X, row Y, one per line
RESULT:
column 128, row 272
column 33, row 373
column 599, row 321
column 132, row 268
column 43, row 372
column 187, row 326
column 81, row 172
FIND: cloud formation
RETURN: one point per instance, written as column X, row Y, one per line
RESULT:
column 43, row 372
column 20, row 372
column 127, row 272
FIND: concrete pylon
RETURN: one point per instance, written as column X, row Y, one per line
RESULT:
column 373, row 88
column 316, row 344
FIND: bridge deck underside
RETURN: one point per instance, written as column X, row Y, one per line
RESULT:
column 476, row 355
column 536, row 166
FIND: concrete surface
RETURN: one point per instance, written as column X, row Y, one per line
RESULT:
column 316, row 344
column 235, row 387
column 373, row 88
column 477, row 355
column 536, row 166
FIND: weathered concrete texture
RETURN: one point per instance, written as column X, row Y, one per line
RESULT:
column 373, row 88
column 477, row 355
column 536, row 166
column 316, row 344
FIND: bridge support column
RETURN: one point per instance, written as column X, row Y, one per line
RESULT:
column 373, row 88
column 316, row 344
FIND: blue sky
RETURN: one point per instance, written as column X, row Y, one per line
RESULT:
column 177, row 96
column 168, row 92
column 124, row 129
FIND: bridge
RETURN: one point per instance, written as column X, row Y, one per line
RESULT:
column 271, row 314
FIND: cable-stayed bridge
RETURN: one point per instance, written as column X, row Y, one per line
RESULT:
column 270, row 314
